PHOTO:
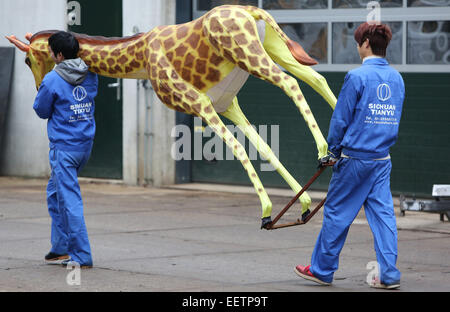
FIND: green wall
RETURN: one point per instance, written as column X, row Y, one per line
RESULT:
column 419, row 157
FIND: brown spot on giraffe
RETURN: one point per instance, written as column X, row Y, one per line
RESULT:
column 193, row 40
column 225, row 13
column 181, row 50
column 241, row 39
column 103, row 54
column 254, row 62
column 135, row 64
column 177, row 65
column 215, row 25
column 115, row 53
column 164, row 88
column 216, row 59
column 94, row 58
column 180, row 86
column 214, row 120
column 182, row 32
column 226, row 41
column 250, row 28
column 130, row 50
column 122, row 60
column 170, row 56
column 276, row 69
column 166, row 32
column 231, row 25
column 140, row 56
column 203, row 50
column 243, row 66
column 186, row 74
column 200, row 66
column 139, row 44
column 155, row 45
column 213, row 75
column 198, row 83
column 169, row 43
column 255, row 48
column 191, row 95
column 239, row 53
column 197, row 108
column 110, row 61
column 163, row 75
column 189, row 61
column 177, row 97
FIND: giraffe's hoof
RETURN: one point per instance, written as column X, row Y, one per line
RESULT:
column 305, row 215
column 266, row 222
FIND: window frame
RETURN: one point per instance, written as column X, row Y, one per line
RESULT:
column 329, row 15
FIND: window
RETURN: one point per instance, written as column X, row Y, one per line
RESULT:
column 428, row 42
column 294, row 4
column 312, row 36
column 344, row 44
column 423, row 3
column 363, row 3
column 206, row 5
column 324, row 28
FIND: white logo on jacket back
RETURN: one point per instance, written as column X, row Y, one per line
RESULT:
column 384, row 92
column 79, row 93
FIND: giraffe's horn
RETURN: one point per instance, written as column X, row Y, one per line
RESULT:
column 300, row 55
column 22, row 46
column 28, row 36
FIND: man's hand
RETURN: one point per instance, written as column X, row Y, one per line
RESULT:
column 328, row 160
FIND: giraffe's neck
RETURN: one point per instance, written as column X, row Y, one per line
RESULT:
column 116, row 57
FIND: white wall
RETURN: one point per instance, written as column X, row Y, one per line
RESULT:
column 25, row 145
column 159, row 168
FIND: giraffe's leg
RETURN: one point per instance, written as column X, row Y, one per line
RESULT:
column 214, row 121
column 279, row 52
column 235, row 114
column 249, row 54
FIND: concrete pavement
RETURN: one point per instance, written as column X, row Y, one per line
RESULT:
column 198, row 238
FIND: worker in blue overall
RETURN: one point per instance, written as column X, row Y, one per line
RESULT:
column 363, row 127
column 66, row 99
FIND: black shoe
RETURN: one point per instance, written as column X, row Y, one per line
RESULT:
column 55, row 258
column 266, row 222
column 67, row 262
column 305, row 215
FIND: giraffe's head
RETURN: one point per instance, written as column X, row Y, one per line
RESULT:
column 37, row 54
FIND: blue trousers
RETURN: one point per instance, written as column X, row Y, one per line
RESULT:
column 355, row 183
column 65, row 206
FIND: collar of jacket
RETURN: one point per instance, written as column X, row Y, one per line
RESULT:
column 376, row 61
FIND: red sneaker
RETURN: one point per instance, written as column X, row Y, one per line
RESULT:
column 303, row 271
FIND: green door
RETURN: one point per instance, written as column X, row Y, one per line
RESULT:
column 103, row 18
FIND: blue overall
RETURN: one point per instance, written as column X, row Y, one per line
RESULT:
column 71, row 129
column 363, row 127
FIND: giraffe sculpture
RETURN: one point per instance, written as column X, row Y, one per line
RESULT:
column 198, row 68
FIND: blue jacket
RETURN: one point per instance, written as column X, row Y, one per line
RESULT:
column 69, row 109
column 366, row 119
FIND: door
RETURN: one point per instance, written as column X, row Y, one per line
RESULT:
column 100, row 18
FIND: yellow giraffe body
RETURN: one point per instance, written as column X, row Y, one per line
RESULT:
column 186, row 62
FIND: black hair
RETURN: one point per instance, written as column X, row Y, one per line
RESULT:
column 64, row 42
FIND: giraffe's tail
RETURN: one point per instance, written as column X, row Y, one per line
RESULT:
column 296, row 49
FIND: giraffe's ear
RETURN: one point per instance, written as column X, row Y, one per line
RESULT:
column 22, row 46
column 28, row 36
